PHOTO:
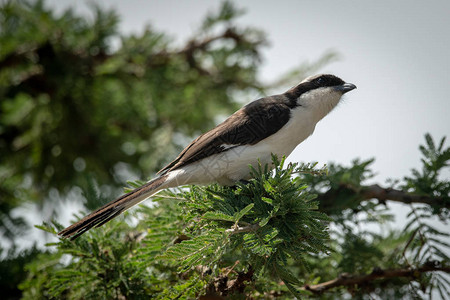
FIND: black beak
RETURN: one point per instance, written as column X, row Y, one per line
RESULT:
column 346, row 87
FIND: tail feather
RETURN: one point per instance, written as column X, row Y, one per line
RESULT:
column 114, row 208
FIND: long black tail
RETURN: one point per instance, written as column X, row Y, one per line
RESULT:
column 114, row 208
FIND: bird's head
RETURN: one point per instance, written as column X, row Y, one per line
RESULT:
column 319, row 93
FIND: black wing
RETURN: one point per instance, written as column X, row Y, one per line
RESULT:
column 249, row 125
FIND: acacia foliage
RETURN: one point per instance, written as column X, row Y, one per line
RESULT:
column 259, row 227
column 265, row 238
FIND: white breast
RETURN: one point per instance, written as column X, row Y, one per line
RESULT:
column 233, row 165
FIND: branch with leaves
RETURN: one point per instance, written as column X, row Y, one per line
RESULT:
column 266, row 236
column 375, row 191
column 349, row 280
column 262, row 223
column 344, row 188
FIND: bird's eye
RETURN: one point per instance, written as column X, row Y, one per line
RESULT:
column 320, row 81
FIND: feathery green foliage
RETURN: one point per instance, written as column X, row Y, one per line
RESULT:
column 358, row 250
column 428, row 243
column 244, row 241
column 427, row 181
column 261, row 226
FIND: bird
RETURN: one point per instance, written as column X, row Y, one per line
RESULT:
column 273, row 125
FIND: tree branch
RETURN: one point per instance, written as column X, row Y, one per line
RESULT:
column 382, row 194
column 346, row 280
column 155, row 59
column 223, row 285
column 229, row 33
column 194, row 45
column 238, row 229
column 375, row 191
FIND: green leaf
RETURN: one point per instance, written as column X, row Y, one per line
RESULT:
column 218, row 216
column 267, row 200
column 243, row 212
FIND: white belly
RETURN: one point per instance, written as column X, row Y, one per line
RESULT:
column 232, row 165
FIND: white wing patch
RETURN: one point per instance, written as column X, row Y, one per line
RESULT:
column 228, row 146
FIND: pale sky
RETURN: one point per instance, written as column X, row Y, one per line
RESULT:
column 396, row 52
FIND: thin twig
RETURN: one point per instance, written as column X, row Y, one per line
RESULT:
column 236, row 230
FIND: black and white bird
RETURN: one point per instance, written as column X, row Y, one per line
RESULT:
column 275, row 124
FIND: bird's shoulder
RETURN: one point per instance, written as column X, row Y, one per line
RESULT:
column 247, row 126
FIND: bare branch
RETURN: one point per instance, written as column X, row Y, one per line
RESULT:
column 377, row 192
column 229, row 33
column 345, row 280
column 362, row 193
column 195, row 45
